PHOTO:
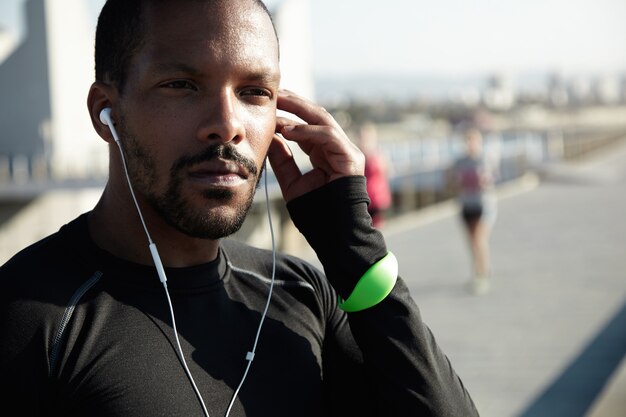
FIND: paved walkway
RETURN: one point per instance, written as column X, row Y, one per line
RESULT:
column 541, row 343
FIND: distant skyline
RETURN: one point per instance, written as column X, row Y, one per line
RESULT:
column 453, row 37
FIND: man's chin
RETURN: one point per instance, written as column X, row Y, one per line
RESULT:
column 215, row 222
column 211, row 227
column 215, row 213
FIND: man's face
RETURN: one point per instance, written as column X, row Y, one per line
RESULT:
column 198, row 112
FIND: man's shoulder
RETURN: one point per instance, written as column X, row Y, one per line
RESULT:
column 244, row 253
column 288, row 267
column 297, row 282
column 49, row 254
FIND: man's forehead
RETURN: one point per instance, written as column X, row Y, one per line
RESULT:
column 215, row 13
column 199, row 35
column 220, row 26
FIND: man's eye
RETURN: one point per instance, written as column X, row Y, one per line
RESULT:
column 178, row 84
column 257, row 91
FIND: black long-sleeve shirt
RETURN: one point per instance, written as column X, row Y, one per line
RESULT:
column 85, row 333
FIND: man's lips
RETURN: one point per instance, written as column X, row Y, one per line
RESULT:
column 219, row 172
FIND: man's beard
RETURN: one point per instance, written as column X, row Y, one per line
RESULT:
column 177, row 211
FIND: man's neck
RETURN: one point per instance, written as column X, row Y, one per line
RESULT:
column 116, row 227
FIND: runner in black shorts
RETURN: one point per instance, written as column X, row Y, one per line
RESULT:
column 473, row 181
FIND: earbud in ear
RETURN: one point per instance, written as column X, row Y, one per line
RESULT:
column 105, row 118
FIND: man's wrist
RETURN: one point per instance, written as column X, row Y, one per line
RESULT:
column 335, row 221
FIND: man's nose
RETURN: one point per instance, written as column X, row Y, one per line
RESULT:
column 223, row 118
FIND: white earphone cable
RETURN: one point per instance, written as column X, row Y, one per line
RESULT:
column 180, row 353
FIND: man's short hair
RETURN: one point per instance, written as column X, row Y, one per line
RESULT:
column 119, row 35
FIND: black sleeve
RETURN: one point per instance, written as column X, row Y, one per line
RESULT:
column 410, row 373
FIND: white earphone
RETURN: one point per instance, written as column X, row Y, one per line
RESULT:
column 105, row 118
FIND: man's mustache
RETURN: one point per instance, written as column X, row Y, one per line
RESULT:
column 222, row 151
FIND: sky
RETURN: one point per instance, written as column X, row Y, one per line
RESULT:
column 460, row 36
column 454, row 37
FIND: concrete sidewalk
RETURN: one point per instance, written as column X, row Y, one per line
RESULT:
column 559, row 260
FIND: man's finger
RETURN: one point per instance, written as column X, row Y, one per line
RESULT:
column 283, row 164
column 304, row 109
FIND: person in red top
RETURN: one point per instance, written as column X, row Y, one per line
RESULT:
column 376, row 173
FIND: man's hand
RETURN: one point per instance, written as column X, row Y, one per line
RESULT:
column 331, row 152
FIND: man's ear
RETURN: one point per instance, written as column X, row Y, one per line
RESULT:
column 101, row 95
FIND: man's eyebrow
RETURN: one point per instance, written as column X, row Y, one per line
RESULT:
column 264, row 77
column 179, row 67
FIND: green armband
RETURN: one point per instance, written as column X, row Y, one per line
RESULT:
column 375, row 284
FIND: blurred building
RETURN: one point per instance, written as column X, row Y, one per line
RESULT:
column 558, row 95
column 579, row 91
column 46, row 134
column 499, row 94
column 7, row 43
column 292, row 19
column 293, row 24
column 606, row 89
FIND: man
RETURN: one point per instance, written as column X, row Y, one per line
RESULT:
column 193, row 89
